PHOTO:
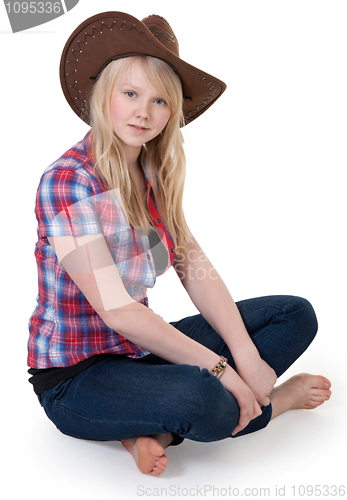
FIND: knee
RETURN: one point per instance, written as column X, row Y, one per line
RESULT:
column 305, row 317
column 205, row 409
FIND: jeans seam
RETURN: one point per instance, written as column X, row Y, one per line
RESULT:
column 280, row 309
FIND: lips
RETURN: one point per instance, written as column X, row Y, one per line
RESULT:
column 138, row 129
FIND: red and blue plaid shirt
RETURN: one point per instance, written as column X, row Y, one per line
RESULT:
column 71, row 200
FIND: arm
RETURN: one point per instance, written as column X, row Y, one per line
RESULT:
column 90, row 265
column 212, row 298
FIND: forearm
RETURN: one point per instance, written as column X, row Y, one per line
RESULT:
column 143, row 327
column 217, row 306
column 215, row 303
column 212, row 298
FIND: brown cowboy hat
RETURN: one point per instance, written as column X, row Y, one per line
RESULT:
column 113, row 35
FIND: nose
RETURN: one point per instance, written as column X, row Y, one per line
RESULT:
column 142, row 110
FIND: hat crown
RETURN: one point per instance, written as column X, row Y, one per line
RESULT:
column 163, row 32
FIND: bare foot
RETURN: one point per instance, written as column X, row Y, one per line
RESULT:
column 148, row 452
column 302, row 391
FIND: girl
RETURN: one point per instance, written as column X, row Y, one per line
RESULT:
column 110, row 219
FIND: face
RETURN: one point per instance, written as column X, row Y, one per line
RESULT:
column 139, row 113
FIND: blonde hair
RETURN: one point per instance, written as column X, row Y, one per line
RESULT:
column 164, row 154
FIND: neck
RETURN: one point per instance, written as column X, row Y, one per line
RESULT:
column 132, row 157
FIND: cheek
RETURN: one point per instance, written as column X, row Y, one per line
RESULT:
column 117, row 109
column 165, row 116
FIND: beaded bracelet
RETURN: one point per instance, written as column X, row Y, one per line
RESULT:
column 220, row 366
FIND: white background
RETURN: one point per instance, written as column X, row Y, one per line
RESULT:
column 265, row 197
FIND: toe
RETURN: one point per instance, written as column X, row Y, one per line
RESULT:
column 320, row 392
column 159, row 467
column 156, row 472
column 162, row 463
column 323, row 382
column 319, row 399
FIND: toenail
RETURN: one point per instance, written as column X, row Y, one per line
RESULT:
column 325, row 385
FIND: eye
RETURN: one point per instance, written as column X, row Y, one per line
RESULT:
column 130, row 93
column 161, row 102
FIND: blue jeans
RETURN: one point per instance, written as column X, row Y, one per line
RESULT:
column 118, row 397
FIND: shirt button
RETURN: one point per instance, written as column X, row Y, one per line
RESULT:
column 159, row 221
column 75, row 220
column 116, row 239
column 148, row 257
column 172, row 250
column 136, row 288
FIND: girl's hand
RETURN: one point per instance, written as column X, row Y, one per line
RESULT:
column 258, row 375
column 249, row 408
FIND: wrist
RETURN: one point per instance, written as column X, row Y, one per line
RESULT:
column 219, row 368
column 244, row 353
column 232, row 381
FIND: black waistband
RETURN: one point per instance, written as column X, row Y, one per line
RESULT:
column 43, row 380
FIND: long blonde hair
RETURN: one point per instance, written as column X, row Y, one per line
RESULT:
column 164, row 154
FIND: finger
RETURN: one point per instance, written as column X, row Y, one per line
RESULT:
column 237, row 429
column 243, row 422
column 265, row 402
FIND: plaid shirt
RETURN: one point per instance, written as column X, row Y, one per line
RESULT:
column 71, row 200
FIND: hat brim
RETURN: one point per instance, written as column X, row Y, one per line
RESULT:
column 112, row 35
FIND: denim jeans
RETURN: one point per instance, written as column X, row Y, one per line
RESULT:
column 118, row 397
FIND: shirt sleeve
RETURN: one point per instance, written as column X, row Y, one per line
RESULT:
column 66, row 204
